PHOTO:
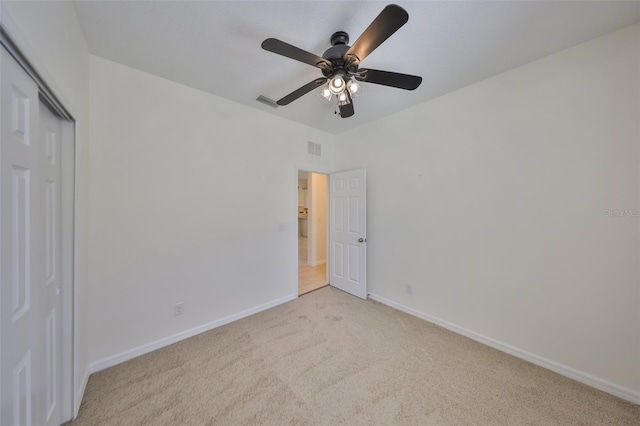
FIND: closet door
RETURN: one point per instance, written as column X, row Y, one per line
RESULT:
column 29, row 253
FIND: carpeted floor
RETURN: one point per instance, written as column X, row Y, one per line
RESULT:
column 329, row 358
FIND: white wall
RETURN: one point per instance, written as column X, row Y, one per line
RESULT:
column 188, row 191
column 54, row 36
column 492, row 201
column 318, row 219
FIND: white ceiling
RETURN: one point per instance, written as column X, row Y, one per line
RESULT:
column 214, row 46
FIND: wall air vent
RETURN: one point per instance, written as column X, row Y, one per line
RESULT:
column 314, row 149
column 267, row 101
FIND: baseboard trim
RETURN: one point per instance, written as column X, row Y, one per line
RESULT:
column 316, row 263
column 80, row 394
column 166, row 341
column 580, row 376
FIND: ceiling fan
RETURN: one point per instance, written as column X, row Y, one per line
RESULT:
column 340, row 63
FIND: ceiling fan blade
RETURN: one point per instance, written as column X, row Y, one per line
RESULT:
column 301, row 91
column 285, row 49
column 388, row 78
column 347, row 110
column 386, row 23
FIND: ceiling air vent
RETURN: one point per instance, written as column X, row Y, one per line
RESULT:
column 267, row 101
column 314, row 149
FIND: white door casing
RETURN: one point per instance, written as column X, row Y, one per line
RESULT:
column 30, row 258
column 348, row 231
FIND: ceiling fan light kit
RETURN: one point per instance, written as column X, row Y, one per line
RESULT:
column 337, row 87
column 340, row 63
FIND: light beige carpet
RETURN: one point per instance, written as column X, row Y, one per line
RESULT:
column 329, row 358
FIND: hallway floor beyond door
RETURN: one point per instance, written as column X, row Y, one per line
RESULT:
column 309, row 277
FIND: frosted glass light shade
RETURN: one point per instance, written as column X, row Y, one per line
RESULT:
column 325, row 94
column 354, row 88
column 337, row 84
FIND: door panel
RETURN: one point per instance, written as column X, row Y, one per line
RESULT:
column 347, row 224
column 337, row 265
column 30, row 225
column 20, row 194
column 18, row 243
column 354, row 264
column 50, row 216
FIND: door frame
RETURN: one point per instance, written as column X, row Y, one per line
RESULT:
column 323, row 171
column 12, row 38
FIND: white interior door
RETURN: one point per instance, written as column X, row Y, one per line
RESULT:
column 348, row 231
column 30, row 327
column 50, row 140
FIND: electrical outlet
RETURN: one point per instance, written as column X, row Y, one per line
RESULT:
column 408, row 288
column 178, row 309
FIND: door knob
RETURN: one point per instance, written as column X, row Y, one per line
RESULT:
column 361, row 240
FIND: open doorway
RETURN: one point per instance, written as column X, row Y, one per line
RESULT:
column 312, row 231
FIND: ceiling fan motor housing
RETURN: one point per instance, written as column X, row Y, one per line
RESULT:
column 336, row 54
